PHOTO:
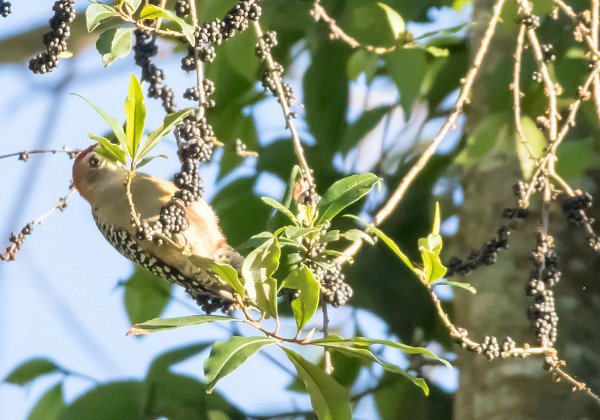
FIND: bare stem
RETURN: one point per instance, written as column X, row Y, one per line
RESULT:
column 461, row 101
column 24, row 155
column 199, row 64
column 288, row 115
column 328, row 364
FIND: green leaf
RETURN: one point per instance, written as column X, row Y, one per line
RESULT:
column 114, row 43
column 491, row 131
column 227, row 356
column 96, row 13
column 575, row 156
column 462, row 285
column 365, row 342
column 114, row 124
column 225, row 272
column 163, row 324
column 306, row 304
column 161, row 365
column 432, row 265
column 170, row 121
column 392, row 245
column 432, row 243
column 357, row 235
column 362, row 61
column 343, row 193
column 537, row 141
column 116, row 400
column 329, row 399
column 367, row 355
column 49, row 406
column 151, row 11
column 363, row 126
column 411, row 82
column 294, row 232
column 146, row 295
column 132, row 4
column 135, row 113
column 149, row 159
column 395, row 20
column 31, row 370
column 108, row 150
column 280, row 207
column 257, row 270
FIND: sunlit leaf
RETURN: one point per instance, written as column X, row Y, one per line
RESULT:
column 281, row 208
column 392, row 245
column 395, row 20
column 135, row 113
column 461, row 285
column 225, row 272
column 227, row 356
column 96, row 13
column 366, row 342
column 170, row 121
column 114, row 43
column 114, row 124
column 305, row 305
column 151, row 11
column 108, row 150
column 257, row 270
column 163, row 324
column 343, row 193
column 432, row 265
column 367, row 355
column 329, row 399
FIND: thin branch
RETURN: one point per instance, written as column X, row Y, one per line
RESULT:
column 319, row 13
column 516, row 88
column 17, row 239
column 24, row 155
column 199, row 64
column 461, row 101
column 288, row 115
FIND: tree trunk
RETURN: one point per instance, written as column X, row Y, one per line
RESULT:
column 518, row 388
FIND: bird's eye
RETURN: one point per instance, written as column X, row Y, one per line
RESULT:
column 94, row 162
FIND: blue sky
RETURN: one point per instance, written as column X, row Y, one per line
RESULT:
column 58, row 300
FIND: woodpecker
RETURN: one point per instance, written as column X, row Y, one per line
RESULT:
column 102, row 185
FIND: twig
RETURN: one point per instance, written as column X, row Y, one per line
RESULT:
column 319, row 13
column 199, row 64
column 17, row 239
column 549, row 85
column 461, row 101
column 288, row 115
column 517, row 94
column 24, row 155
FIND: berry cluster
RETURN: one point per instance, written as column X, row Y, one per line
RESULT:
column 218, row 30
column 144, row 49
column 55, row 40
column 189, row 182
column 536, row 76
column 334, row 290
column 543, row 277
column 16, row 243
column 5, row 8
column 574, row 207
column 530, row 21
column 548, row 52
column 182, row 8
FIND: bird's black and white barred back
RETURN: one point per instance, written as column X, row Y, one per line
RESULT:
column 203, row 287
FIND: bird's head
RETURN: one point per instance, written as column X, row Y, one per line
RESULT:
column 90, row 170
